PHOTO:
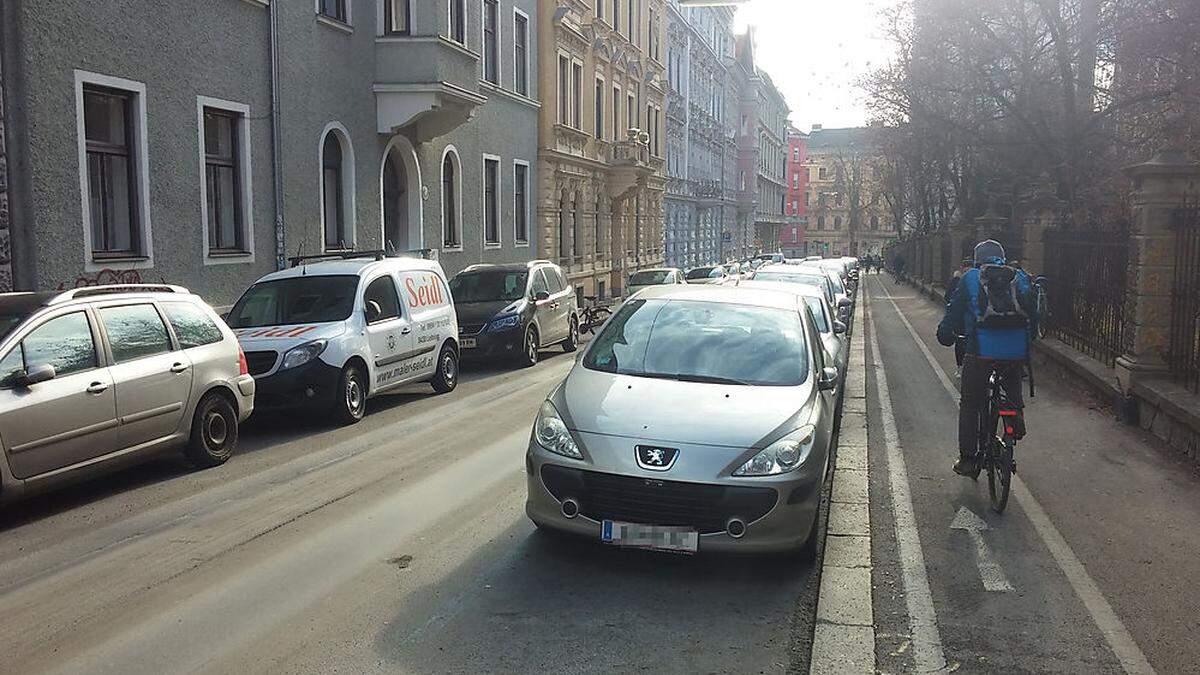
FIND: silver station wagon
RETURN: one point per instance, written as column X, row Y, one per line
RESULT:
column 95, row 378
column 699, row 419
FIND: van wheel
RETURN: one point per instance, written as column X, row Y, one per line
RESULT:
column 214, row 432
column 529, row 348
column 572, row 341
column 446, row 377
column 351, row 400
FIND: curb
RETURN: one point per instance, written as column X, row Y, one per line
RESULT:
column 844, row 638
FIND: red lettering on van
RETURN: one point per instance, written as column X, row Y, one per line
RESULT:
column 424, row 292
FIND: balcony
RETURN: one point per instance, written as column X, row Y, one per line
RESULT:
column 426, row 81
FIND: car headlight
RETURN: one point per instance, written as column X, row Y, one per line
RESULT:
column 302, row 354
column 505, row 322
column 786, row 454
column 552, row 434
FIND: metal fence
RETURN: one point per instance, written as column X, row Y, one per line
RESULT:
column 1087, row 271
column 1183, row 359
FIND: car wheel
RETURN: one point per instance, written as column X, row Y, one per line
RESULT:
column 529, row 349
column 446, row 377
column 214, row 432
column 572, row 341
column 351, row 400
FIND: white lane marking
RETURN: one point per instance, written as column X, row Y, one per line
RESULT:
column 1119, row 640
column 928, row 656
column 990, row 572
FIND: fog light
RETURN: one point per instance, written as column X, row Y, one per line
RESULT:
column 570, row 508
column 735, row 527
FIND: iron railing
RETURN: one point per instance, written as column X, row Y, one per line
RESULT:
column 1086, row 290
column 1183, row 357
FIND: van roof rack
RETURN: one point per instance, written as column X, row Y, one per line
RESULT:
column 298, row 260
column 112, row 289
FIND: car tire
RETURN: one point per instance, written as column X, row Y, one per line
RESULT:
column 529, row 347
column 445, row 379
column 214, row 432
column 572, row 341
column 350, row 401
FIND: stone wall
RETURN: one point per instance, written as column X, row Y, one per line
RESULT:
column 6, row 278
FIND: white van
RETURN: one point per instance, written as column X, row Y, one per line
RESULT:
column 331, row 331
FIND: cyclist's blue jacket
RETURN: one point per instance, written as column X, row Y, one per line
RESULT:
column 962, row 315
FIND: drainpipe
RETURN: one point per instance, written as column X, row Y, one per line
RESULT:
column 276, row 162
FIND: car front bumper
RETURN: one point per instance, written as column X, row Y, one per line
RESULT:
column 312, row 384
column 786, row 524
column 246, row 390
column 494, row 344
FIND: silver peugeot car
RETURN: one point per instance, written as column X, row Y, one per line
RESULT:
column 699, row 419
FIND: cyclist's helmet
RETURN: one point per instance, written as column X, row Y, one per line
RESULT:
column 989, row 252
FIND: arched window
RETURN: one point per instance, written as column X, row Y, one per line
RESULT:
column 337, row 188
column 451, row 234
column 874, row 222
column 563, row 251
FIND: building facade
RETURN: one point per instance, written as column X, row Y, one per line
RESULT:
column 791, row 238
column 771, row 113
column 848, row 214
column 600, row 135
column 700, row 204
column 398, row 124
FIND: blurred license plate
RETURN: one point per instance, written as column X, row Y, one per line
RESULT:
column 657, row 537
column 468, row 343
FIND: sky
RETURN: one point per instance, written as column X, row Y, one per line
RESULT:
column 815, row 51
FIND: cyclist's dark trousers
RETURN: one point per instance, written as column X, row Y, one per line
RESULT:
column 975, row 374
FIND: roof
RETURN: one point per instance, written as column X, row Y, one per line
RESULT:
column 23, row 303
column 842, row 138
column 733, row 295
column 354, row 267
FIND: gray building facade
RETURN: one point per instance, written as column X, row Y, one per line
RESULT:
column 140, row 139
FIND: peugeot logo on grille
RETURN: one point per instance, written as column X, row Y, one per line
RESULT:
column 654, row 458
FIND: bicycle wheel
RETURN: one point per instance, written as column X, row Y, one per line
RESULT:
column 1000, row 474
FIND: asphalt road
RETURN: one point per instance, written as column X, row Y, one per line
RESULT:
column 397, row 545
column 1098, row 544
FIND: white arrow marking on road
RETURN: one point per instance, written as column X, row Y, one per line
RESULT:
column 989, row 570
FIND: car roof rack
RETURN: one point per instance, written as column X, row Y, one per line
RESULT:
column 298, row 260
column 541, row 261
column 113, row 289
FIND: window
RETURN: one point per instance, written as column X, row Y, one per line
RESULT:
column 382, row 292
column 457, row 21
column 554, row 279
column 64, row 342
column 134, row 332
column 795, row 154
column 334, row 193
column 521, row 203
column 616, row 15
column 538, row 285
column 112, row 179
column 837, row 222
column 521, row 54
column 562, row 227
column 596, row 241
column 631, row 111
column 616, row 112
column 295, row 300
column 334, row 9
column 577, row 95
column 564, row 90
column 600, row 8
column 598, row 112
column 795, row 181
column 653, row 35
column 631, row 30
column 223, row 181
column 820, row 222
column 838, row 199
column 874, row 222
column 807, row 199
column 491, row 205
column 396, row 17
column 193, row 327
column 450, row 201
column 491, row 57
column 823, row 173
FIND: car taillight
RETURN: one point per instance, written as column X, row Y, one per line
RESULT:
column 243, row 368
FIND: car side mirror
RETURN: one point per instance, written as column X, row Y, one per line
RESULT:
column 372, row 310
column 844, row 303
column 839, row 327
column 39, row 373
column 829, row 379
column 540, row 296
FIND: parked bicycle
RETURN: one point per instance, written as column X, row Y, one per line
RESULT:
column 593, row 315
column 1043, row 304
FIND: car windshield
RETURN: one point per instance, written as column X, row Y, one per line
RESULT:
column 818, row 280
column 818, row 312
column 305, row 299
column 647, row 277
column 489, row 286
column 704, row 273
column 698, row 341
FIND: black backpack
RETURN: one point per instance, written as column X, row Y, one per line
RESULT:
column 999, row 302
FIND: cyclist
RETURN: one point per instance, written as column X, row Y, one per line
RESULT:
column 993, row 307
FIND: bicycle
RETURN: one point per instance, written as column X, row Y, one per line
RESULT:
column 1042, row 304
column 997, row 442
column 593, row 314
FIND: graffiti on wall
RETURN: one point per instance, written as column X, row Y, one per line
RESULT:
column 107, row 277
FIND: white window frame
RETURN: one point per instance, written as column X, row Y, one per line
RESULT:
column 599, row 105
column 563, row 98
column 616, row 121
column 483, row 45
column 517, row 243
column 528, row 80
column 576, row 79
column 450, row 150
column 462, row 11
column 348, row 190
column 483, row 203
column 246, row 177
column 90, row 264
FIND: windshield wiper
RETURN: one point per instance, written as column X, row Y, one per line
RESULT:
column 695, row 377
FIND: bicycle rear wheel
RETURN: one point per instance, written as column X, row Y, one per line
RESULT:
column 1000, row 473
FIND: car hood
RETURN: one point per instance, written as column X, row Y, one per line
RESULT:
column 282, row 337
column 482, row 312
column 670, row 411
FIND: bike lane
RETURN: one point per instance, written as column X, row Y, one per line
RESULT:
column 1089, row 568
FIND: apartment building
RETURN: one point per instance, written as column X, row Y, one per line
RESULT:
column 848, row 214
column 791, row 238
column 203, row 143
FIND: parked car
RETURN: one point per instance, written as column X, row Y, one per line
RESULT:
column 333, row 330
column 800, row 274
column 699, row 419
column 733, row 272
column 832, row 331
column 843, row 294
column 706, row 274
column 514, row 310
column 771, row 257
column 656, row 276
column 93, row 378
